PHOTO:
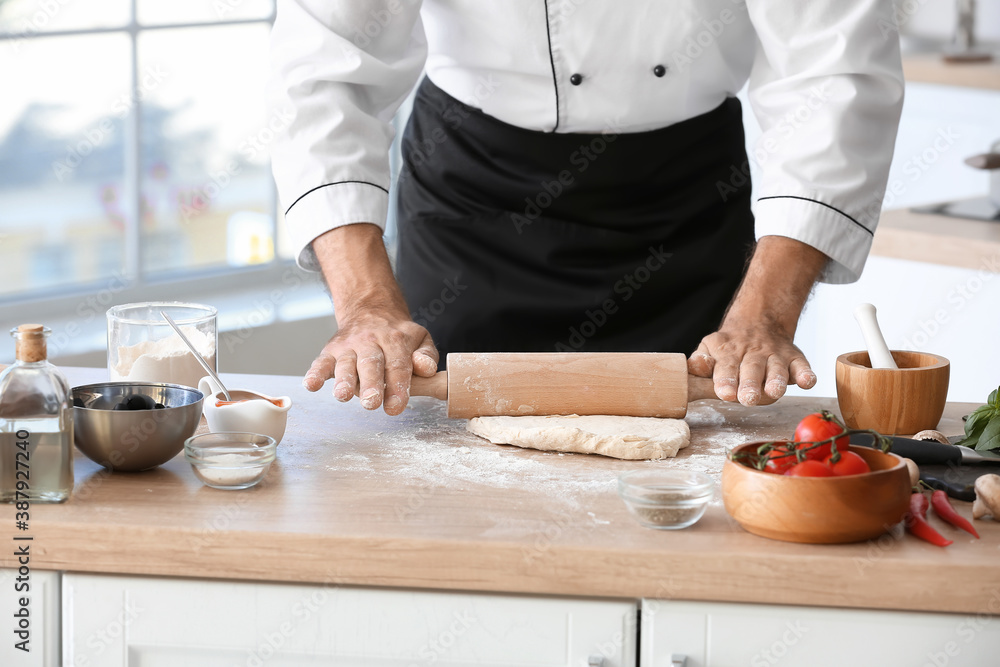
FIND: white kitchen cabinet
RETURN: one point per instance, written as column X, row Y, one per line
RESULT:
column 150, row 622
column 745, row 635
column 43, row 616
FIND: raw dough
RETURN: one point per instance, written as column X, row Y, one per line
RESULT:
column 618, row 437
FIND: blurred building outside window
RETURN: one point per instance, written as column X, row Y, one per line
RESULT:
column 133, row 144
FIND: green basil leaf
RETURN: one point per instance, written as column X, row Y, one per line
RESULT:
column 981, row 414
column 975, row 425
column 990, row 439
column 993, row 399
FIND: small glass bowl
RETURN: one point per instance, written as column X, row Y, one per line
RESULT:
column 230, row 460
column 666, row 499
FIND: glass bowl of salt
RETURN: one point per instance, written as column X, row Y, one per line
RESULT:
column 230, row 460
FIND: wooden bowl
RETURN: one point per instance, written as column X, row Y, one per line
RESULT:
column 892, row 401
column 818, row 510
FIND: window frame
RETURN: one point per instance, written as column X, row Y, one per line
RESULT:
column 130, row 284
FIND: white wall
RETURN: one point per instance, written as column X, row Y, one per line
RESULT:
column 935, row 19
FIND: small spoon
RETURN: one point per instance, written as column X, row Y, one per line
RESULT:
column 201, row 359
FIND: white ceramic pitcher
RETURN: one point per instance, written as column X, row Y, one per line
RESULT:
column 253, row 416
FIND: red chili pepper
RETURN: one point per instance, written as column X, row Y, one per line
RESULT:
column 942, row 507
column 916, row 521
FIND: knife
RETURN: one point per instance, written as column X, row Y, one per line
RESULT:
column 958, row 491
column 926, row 452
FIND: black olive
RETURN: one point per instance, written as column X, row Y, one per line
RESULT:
column 139, row 402
column 159, row 406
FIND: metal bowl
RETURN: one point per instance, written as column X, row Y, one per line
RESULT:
column 134, row 440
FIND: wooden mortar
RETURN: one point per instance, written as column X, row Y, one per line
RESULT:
column 900, row 401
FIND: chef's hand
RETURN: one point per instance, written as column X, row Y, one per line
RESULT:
column 373, row 355
column 746, row 358
column 377, row 347
column 752, row 353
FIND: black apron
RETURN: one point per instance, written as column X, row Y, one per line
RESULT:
column 512, row 240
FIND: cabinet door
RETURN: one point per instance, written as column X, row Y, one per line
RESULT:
column 42, row 618
column 145, row 622
column 747, row 635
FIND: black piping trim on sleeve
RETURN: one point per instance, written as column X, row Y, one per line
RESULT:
column 552, row 62
column 821, row 204
column 325, row 185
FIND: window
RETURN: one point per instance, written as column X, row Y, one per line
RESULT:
column 133, row 143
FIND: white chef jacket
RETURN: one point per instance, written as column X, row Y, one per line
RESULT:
column 825, row 84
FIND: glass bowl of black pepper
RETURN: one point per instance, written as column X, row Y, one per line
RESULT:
column 666, row 499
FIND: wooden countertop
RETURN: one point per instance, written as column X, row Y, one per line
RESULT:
column 932, row 68
column 938, row 239
column 415, row 501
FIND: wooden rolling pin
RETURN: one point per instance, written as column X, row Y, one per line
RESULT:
column 634, row 384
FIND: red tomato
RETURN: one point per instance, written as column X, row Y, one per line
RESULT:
column 777, row 465
column 849, row 464
column 819, row 426
column 809, row 468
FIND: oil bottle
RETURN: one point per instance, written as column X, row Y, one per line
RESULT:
column 36, row 424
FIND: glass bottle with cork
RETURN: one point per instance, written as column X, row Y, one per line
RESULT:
column 36, row 423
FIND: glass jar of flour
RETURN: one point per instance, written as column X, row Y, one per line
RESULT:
column 143, row 348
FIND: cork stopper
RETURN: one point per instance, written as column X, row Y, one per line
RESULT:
column 30, row 346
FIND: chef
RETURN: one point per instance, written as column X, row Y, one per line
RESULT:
column 574, row 177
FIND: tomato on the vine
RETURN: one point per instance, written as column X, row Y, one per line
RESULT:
column 816, row 427
column 777, row 461
column 809, row 468
column 849, row 464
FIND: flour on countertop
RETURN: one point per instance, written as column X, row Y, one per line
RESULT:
column 433, row 456
column 704, row 415
column 707, row 454
column 490, row 465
